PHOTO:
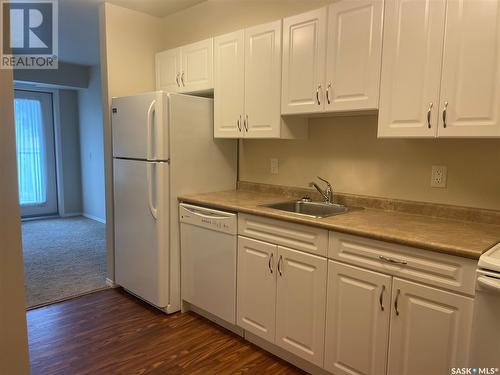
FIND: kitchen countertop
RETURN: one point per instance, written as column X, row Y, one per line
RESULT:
column 461, row 238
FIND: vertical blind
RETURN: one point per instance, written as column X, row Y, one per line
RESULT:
column 30, row 151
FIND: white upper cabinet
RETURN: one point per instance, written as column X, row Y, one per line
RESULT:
column 430, row 330
column 304, row 52
column 301, row 304
column 197, row 66
column 263, row 81
column 256, row 297
column 247, row 86
column 411, row 68
column 229, row 86
column 168, row 67
column 357, row 320
column 470, row 85
column 354, row 50
column 440, row 70
column 186, row 69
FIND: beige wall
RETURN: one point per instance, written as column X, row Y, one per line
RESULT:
column 215, row 17
column 346, row 151
column 129, row 41
column 13, row 336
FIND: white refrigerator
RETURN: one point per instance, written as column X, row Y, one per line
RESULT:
column 163, row 146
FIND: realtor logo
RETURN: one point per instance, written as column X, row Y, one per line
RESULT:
column 29, row 34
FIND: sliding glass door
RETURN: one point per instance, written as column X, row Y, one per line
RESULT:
column 35, row 153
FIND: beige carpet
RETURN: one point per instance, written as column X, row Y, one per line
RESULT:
column 63, row 257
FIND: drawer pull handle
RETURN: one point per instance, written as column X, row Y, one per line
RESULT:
column 396, row 302
column 429, row 115
column 270, row 263
column 280, row 261
column 393, row 261
column 381, row 298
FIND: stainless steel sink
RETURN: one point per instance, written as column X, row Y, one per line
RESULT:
column 312, row 209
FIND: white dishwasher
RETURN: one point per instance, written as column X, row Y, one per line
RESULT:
column 485, row 346
column 208, row 260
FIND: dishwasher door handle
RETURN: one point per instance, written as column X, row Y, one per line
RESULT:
column 197, row 213
column 489, row 283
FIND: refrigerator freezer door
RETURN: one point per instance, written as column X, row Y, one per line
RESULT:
column 141, row 229
column 139, row 129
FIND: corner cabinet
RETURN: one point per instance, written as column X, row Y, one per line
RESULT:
column 440, row 71
column 331, row 58
column 247, row 85
column 187, row 69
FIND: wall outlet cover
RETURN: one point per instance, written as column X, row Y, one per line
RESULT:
column 438, row 176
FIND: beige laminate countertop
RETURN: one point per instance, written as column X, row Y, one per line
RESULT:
column 466, row 239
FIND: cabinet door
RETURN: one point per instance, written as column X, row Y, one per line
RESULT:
column 263, row 81
column 304, row 54
column 229, row 60
column 471, row 70
column 430, row 330
column 354, row 52
column 197, row 66
column 301, row 304
column 256, row 285
column 168, row 70
column 357, row 320
column 411, row 68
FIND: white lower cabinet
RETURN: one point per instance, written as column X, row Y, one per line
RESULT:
column 347, row 318
column 357, row 320
column 282, row 297
column 301, row 303
column 430, row 330
column 256, row 286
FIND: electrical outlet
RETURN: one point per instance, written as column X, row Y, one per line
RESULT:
column 438, row 176
column 274, row 166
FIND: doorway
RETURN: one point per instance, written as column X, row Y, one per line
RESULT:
column 35, row 153
column 64, row 251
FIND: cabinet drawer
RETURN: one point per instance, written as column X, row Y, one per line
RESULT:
column 296, row 236
column 441, row 270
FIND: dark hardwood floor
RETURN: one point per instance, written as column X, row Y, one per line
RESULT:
column 111, row 332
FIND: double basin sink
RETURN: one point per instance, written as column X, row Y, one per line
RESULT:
column 309, row 208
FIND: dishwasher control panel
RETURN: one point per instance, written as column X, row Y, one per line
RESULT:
column 208, row 218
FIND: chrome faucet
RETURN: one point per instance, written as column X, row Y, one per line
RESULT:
column 327, row 194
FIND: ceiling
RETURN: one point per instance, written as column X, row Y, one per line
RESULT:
column 158, row 8
column 79, row 24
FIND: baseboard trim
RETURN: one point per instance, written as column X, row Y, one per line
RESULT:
column 72, row 214
column 111, row 283
column 92, row 217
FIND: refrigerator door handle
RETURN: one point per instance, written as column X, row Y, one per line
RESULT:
column 151, row 184
column 151, row 128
